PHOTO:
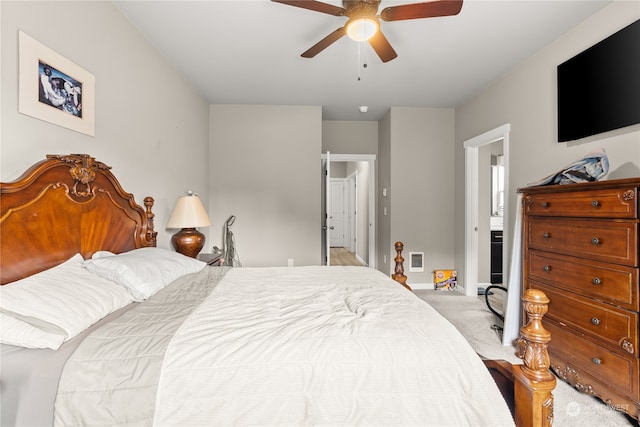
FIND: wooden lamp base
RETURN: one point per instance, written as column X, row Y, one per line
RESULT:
column 188, row 241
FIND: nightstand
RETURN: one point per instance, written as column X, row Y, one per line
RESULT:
column 214, row 259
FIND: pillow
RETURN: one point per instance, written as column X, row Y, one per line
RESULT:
column 144, row 271
column 66, row 297
column 22, row 334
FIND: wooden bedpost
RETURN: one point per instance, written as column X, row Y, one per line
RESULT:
column 534, row 381
column 151, row 233
column 527, row 388
column 398, row 275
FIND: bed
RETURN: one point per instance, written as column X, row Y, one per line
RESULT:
column 99, row 326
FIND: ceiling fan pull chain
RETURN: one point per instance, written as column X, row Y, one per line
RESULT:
column 362, row 53
column 364, row 48
column 359, row 61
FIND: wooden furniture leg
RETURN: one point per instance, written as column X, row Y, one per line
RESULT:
column 399, row 276
column 527, row 388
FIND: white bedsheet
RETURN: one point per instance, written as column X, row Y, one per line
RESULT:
column 321, row 346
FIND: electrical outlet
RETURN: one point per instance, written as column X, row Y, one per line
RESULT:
column 384, row 259
column 290, row 262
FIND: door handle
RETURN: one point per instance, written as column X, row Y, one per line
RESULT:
column 324, row 227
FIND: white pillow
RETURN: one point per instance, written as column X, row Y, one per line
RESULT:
column 144, row 271
column 67, row 297
column 22, row 334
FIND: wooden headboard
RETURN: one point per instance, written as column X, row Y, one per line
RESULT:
column 64, row 205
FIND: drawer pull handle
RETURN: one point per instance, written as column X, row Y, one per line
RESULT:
column 547, row 268
column 595, row 321
column 546, row 235
column 595, row 203
column 596, row 361
column 545, row 204
column 595, row 241
column 596, row 281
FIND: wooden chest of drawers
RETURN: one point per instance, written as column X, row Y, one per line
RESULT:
column 581, row 249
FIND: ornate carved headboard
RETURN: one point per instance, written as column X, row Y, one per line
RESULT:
column 64, row 205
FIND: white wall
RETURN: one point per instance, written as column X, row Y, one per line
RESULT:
column 383, row 222
column 420, row 197
column 151, row 125
column 265, row 168
column 526, row 98
column 349, row 137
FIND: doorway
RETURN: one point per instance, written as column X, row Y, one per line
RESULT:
column 472, row 205
column 359, row 200
column 472, row 168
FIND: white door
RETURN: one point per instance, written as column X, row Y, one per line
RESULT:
column 337, row 214
column 326, row 206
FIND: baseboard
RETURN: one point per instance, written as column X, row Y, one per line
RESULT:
column 361, row 261
column 430, row 287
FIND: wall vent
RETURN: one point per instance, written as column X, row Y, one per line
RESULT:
column 416, row 262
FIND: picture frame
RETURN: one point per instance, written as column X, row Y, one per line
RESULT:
column 54, row 89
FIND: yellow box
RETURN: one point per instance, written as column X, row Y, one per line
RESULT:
column 445, row 280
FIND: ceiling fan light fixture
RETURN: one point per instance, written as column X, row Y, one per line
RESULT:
column 361, row 29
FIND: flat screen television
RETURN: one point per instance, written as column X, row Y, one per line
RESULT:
column 599, row 89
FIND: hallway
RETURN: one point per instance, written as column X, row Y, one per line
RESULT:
column 342, row 256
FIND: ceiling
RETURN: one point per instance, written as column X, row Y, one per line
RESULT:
column 248, row 51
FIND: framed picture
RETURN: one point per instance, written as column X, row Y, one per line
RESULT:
column 54, row 89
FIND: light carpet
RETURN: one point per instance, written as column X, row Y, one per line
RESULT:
column 473, row 319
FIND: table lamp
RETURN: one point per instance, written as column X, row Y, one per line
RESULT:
column 187, row 215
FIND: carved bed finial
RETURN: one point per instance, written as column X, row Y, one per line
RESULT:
column 398, row 275
column 151, row 233
column 535, row 381
column 534, row 337
column 83, row 171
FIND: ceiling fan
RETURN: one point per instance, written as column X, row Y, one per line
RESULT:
column 363, row 23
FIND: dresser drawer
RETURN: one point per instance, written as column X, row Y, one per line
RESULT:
column 611, row 325
column 615, row 371
column 616, row 284
column 609, row 203
column 609, row 241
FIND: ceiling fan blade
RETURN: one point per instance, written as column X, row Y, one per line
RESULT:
column 316, row 6
column 421, row 10
column 383, row 48
column 324, row 43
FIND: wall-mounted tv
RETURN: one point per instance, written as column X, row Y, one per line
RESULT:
column 599, row 89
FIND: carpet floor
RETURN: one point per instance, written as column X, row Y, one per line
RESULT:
column 475, row 322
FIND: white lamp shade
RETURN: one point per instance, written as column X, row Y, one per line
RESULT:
column 189, row 213
column 361, row 29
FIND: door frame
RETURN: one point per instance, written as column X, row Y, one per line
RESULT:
column 351, row 183
column 371, row 191
column 472, row 169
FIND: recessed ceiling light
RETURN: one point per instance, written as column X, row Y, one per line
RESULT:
column 363, row 108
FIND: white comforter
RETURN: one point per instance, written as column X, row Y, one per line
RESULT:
column 321, row 346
